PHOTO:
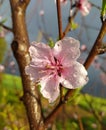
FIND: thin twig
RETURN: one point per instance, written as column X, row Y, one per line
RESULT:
column 50, row 118
column 96, row 115
column 68, row 27
column 97, row 45
column 59, row 16
column 92, row 4
column 92, row 109
column 79, row 120
column 93, row 53
column 88, row 62
column 5, row 27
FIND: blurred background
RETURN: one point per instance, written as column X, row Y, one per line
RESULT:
column 41, row 19
column 42, row 25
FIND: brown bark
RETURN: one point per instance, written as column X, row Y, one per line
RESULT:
column 96, row 47
column 20, row 46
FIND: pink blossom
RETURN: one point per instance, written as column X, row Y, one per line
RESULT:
column 84, row 6
column 52, row 67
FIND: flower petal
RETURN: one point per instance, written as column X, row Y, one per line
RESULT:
column 74, row 76
column 41, row 54
column 84, row 6
column 35, row 72
column 50, row 87
column 66, row 50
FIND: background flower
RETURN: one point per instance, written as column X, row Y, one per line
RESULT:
column 84, row 6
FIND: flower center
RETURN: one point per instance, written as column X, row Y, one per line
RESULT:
column 55, row 68
column 58, row 67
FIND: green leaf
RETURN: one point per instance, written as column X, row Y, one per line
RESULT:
column 51, row 43
column 103, row 12
column 74, row 25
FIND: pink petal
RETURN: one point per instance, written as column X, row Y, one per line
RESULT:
column 40, row 53
column 85, row 7
column 35, row 72
column 84, row 10
column 66, row 50
column 50, row 87
column 74, row 76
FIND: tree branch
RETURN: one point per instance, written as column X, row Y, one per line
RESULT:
column 68, row 27
column 70, row 93
column 97, row 45
column 20, row 47
column 50, row 118
column 59, row 18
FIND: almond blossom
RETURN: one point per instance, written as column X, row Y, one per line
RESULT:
column 54, row 66
column 84, row 6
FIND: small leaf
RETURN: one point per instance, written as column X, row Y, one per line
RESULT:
column 103, row 12
column 74, row 25
column 51, row 43
column 3, row 21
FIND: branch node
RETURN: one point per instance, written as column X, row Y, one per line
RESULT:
column 102, row 49
column 14, row 45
